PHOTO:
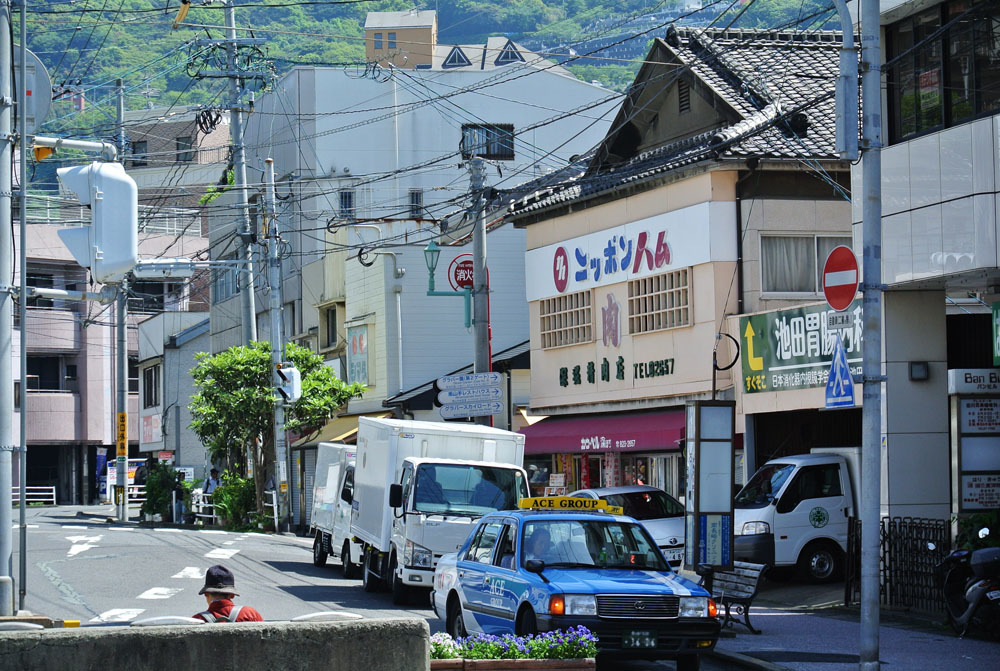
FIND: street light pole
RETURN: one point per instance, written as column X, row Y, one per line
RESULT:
column 481, row 290
column 274, row 309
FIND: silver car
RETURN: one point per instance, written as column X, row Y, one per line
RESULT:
column 660, row 513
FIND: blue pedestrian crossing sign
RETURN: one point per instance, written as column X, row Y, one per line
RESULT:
column 840, row 384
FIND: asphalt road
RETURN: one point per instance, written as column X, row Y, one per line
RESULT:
column 80, row 567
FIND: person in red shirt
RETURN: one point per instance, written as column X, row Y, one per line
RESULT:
column 219, row 590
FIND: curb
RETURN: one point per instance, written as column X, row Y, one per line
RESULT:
column 745, row 661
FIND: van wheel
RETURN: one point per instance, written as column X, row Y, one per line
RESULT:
column 400, row 592
column 369, row 581
column 689, row 663
column 319, row 554
column 350, row 568
column 821, row 562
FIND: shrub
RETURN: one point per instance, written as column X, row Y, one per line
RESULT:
column 572, row 643
column 160, row 481
column 234, row 499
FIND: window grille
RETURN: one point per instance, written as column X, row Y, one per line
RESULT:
column 566, row 320
column 659, row 302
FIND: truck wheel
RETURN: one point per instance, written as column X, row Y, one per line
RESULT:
column 350, row 568
column 689, row 663
column 319, row 554
column 820, row 562
column 369, row 581
column 454, row 623
column 400, row 592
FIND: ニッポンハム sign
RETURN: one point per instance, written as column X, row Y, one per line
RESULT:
column 568, row 503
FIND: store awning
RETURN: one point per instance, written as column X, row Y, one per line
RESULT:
column 337, row 430
column 654, row 431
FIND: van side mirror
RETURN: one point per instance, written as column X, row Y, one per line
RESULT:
column 395, row 495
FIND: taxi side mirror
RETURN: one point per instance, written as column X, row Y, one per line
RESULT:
column 395, row 495
column 534, row 565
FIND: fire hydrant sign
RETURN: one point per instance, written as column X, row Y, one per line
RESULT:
column 460, row 272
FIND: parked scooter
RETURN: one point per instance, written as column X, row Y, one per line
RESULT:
column 970, row 580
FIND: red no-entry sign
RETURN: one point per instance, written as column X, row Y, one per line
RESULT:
column 840, row 278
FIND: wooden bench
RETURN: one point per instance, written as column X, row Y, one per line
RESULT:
column 736, row 590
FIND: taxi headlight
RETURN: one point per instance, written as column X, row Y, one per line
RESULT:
column 694, row 606
column 755, row 528
column 581, row 604
column 417, row 555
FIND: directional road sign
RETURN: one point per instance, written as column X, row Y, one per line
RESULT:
column 471, row 409
column 840, row 277
column 474, row 394
column 470, row 380
column 840, row 384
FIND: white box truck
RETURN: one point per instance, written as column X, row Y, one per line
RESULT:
column 793, row 512
column 333, row 494
column 419, row 489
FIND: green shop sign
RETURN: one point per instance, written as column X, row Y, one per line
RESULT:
column 792, row 349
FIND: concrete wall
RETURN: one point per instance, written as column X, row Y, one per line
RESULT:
column 373, row 645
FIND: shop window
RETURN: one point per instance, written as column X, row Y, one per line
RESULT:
column 794, row 263
column 659, row 302
column 938, row 78
column 133, row 375
column 566, row 320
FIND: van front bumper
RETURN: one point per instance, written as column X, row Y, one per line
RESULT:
column 417, row 577
column 758, row 549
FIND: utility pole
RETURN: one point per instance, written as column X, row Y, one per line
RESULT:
column 481, row 284
column 6, row 317
column 871, row 410
column 22, row 83
column 121, row 346
column 274, row 310
column 240, row 178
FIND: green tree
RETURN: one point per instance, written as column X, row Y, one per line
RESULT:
column 233, row 409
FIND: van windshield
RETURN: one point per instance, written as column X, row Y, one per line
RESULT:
column 763, row 486
column 461, row 489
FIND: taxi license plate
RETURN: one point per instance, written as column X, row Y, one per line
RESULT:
column 639, row 639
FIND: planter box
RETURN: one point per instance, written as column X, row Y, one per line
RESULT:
column 587, row 664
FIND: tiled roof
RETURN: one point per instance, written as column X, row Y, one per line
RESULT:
column 779, row 85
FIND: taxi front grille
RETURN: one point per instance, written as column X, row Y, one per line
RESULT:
column 632, row 605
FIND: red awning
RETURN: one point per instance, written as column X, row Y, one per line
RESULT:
column 658, row 431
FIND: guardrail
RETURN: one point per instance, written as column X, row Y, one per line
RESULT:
column 136, row 496
column 38, row 494
column 201, row 504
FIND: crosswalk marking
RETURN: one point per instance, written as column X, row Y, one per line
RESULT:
column 190, row 572
column 228, row 543
column 26, row 526
column 160, row 592
column 168, row 530
column 221, row 553
column 118, row 615
column 75, row 526
column 212, row 531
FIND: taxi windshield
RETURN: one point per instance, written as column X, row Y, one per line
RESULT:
column 460, row 489
column 590, row 543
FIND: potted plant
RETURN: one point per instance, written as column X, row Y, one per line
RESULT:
column 572, row 649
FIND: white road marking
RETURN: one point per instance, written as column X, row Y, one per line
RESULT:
column 160, row 592
column 74, row 526
column 190, row 572
column 167, row 530
column 118, row 615
column 220, row 553
column 82, row 544
column 121, row 528
column 228, row 543
column 26, row 526
column 212, row 531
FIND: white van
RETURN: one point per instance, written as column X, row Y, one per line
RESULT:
column 794, row 510
column 333, row 495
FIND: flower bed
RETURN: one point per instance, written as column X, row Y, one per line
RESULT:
column 570, row 650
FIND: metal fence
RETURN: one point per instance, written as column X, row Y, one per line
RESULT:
column 38, row 494
column 906, row 563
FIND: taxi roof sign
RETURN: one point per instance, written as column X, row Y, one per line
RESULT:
column 569, row 504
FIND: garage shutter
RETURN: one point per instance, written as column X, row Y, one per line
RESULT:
column 310, row 468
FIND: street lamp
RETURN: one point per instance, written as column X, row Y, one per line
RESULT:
column 431, row 254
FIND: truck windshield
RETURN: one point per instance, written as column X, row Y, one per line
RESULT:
column 763, row 486
column 591, row 543
column 648, row 505
column 461, row 489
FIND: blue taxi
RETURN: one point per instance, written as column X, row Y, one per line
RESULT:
column 529, row 571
